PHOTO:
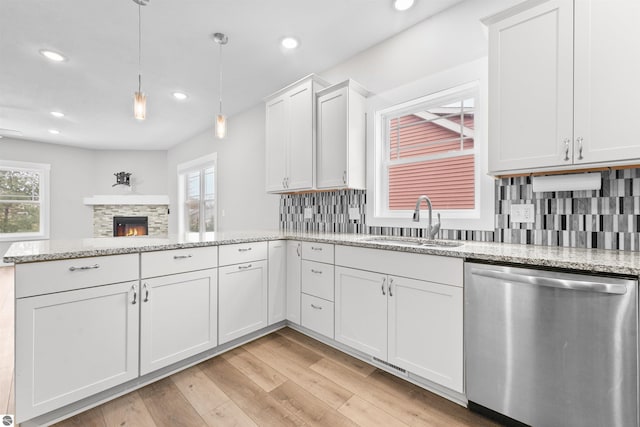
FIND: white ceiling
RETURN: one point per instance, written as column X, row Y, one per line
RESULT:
column 95, row 87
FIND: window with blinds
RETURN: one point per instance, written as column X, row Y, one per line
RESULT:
column 429, row 149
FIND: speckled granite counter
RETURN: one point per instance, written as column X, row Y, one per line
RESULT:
column 594, row 260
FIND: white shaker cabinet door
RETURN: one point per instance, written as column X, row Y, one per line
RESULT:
column 71, row 345
column 531, row 88
column 301, row 137
column 179, row 317
column 361, row 310
column 277, row 281
column 425, row 330
column 607, row 66
column 294, row 280
column 277, row 136
column 332, row 139
column 243, row 295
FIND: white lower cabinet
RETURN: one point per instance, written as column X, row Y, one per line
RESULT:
column 277, row 310
column 317, row 314
column 413, row 324
column 243, row 293
column 70, row 345
column 294, row 277
column 179, row 317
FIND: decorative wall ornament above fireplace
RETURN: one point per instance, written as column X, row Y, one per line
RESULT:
column 122, row 178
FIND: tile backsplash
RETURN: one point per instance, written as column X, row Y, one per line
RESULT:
column 608, row 218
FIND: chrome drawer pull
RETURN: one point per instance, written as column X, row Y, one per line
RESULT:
column 313, row 248
column 135, row 294
column 316, row 271
column 182, row 256
column 146, row 293
column 244, row 267
column 390, row 285
column 384, row 280
column 243, row 249
column 84, row 267
column 317, row 307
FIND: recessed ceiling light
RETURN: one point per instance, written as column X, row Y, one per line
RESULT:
column 54, row 131
column 53, row 56
column 180, row 96
column 402, row 4
column 289, row 43
column 57, row 114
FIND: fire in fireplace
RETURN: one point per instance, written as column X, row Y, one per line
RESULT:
column 130, row 226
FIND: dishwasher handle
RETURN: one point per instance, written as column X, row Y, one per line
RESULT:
column 574, row 285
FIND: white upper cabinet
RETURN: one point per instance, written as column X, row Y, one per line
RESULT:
column 290, row 136
column 341, row 136
column 560, row 93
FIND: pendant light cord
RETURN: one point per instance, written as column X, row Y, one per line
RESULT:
column 220, row 82
column 139, row 48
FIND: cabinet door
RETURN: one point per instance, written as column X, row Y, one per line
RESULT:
column 70, row 345
column 531, row 95
column 425, row 330
column 294, row 277
column 277, row 281
column 301, row 137
column 607, row 66
column 332, row 139
column 361, row 310
column 243, row 299
column 277, row 134
column 179, row 318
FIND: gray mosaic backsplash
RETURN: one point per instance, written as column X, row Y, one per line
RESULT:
column 608, row 218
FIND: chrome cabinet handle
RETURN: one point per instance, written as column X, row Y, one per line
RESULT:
column 243, row 249
column 84, row 267
column 283, row 183
column 316, row 271
column 566, row 149
column 182, row 256
column 135, row 295
column 384, row 281
column 146, row 292
column 298, row 249
column 390, row 285
column 244, row 267
column 580, row 140
column 344, row 177
column 317, row 307
column 313, row 248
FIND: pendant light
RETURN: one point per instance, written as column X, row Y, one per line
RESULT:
column 221, row 119
column 139, row 98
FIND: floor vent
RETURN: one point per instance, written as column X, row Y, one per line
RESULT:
column 398, row 369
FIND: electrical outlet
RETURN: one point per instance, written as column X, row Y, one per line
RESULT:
column 523, row 213
column 354, row 213
column 308, row 213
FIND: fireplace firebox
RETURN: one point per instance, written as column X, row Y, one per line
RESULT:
column 130, row 226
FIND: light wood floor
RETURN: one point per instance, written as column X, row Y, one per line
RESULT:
column 284, row 379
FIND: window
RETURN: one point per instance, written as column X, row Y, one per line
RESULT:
column 24, row 201
column 197, row 194
column 433, row 145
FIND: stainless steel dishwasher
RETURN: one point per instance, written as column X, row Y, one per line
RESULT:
column 551, row 348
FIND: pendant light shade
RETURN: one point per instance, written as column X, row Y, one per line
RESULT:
column 221, row 119
column 139, row 98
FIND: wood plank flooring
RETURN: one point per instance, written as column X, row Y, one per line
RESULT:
column 283, row 379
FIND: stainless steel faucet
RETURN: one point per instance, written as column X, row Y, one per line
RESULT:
column 432, row 230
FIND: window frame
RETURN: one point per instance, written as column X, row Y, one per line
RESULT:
column 43, row 169
column 199, row 164
column 470, row 78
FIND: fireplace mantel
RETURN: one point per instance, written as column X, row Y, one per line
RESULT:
column 129, row 199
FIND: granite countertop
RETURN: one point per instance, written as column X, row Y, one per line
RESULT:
column 590, row 260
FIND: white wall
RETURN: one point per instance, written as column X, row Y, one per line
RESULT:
column 241, row 173
column 77, row 173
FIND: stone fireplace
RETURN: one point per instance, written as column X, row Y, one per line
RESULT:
column 128, row 226
column 106, row 208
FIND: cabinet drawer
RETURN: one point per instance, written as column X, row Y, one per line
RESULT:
column 47, row 277
column 317, row 279
column 317, row 315
column 162, row 263
column 243, row 252
column 321, row 252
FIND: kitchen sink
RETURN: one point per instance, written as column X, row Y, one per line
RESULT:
column 412, row 242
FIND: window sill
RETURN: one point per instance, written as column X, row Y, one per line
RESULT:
column 18, row 237
column 473, row 224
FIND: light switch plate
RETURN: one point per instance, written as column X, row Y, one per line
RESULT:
column 354, row 214
column 523, row 213
column 308, row 213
